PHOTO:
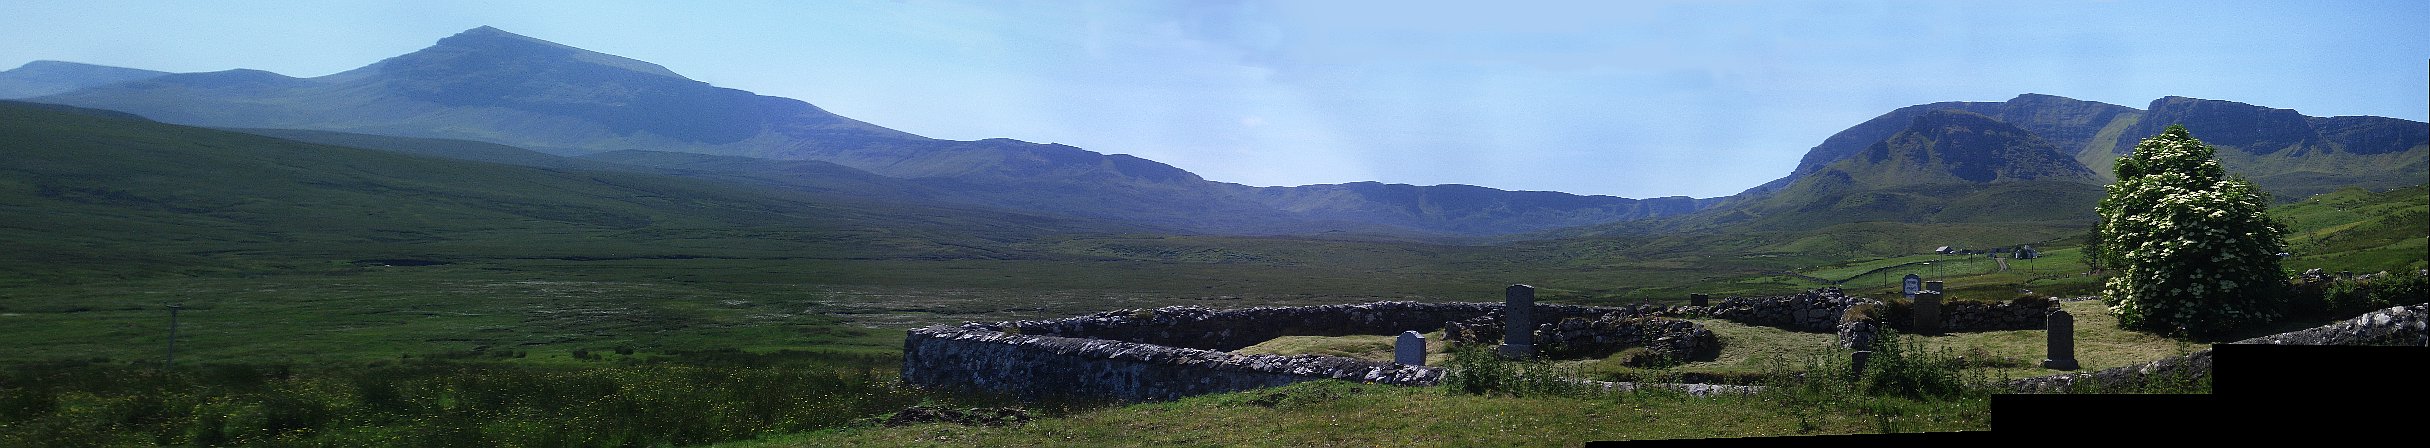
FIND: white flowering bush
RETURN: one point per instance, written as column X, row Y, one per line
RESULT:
column 2191, row 250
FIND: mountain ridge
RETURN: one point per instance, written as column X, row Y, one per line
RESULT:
column 2286, row 152
column 489, row 85
column 45, row 77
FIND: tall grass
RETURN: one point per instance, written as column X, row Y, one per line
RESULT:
column 1478, row 369
column 687, row 400
column 1901, row 382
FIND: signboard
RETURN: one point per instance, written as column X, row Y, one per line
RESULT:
column 1911, row 284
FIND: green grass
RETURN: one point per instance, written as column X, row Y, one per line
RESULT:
column 1331, row 413
column 650, row 401
column 2359, row 230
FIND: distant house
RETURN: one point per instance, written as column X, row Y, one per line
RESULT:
column 2027, row 253
column 1943, row 250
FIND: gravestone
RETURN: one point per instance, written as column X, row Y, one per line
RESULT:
column 1856, row 363
column 1935, row 286
column 1860, row 336
column 1928, row 311
column 1410, row 349
column 1910, row 285
column 1700, row 300
column 2060, row 341
column 1519, row 324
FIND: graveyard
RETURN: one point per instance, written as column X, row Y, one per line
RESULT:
column 1176, row 352
column 1339, row 381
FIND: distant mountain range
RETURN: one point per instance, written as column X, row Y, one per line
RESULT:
column 541, row 104
column 86, row 191
column 2287, row 153
column 40, row 78
column 493, row 86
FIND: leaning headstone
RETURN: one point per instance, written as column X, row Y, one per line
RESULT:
column 1410, row 349
column 2061, row 341
column 1519, row 324
column 1700, row 300
column 1928, row 311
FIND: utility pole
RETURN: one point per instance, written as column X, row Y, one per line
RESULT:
column 173, row 333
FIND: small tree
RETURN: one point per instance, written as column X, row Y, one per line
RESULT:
column 2191, row 250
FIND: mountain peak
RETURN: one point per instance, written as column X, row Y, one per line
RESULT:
column 493, row 42
column 1966, row 146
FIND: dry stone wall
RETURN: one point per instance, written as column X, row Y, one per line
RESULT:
column 2019, row 314
column 1817, row 311
column 981, row 358
column 1173, row 352
column 1582, row 335
column 1226, row 330
column 2401, row 325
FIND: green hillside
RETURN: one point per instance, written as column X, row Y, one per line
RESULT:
column 2358, row 230
column 91, row 195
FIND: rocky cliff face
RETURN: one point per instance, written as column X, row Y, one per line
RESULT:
column 2284, row 151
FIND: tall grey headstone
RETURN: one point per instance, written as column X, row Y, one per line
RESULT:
column 1519, row 323
column 1700, row 300
column 1410, row 349
column 2061, row 341
column 1928, row 312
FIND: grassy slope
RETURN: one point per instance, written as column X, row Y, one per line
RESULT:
column 2359, row 230
column 89, row 195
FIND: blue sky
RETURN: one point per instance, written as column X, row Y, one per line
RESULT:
column 1634, row 99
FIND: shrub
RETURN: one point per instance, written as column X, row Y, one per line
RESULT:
column 1476, row 369
column 2346, row 296
column 2193, row 251
column 1901, row 366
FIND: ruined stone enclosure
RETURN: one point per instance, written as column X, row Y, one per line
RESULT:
column 1175, row 352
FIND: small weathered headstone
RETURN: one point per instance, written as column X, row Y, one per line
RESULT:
column 2061, row 341
column 1910, row 285
column 1928, row 311
column 1519, row 324
column 1700, row 300
column 1860, row 336
column 1856, row 363
column 1410, row 349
